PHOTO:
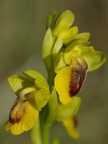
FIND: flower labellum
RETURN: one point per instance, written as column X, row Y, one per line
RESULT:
column 69, row 80
column 22, row 117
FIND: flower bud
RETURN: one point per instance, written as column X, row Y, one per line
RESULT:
column 65, row 20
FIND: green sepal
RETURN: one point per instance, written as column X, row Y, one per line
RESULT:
column 93, row 58
column 59, row 62
column 69, row 110
column 64, row 20
column 18, row 83
column 40, row 85
column 39, row 98
column 76, row 44
column 67, row 35
column 87, row 49
column 84, row 35
column 50, row 19
column 46, row 48
column 34, row 75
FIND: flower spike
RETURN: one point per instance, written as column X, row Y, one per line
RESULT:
column 68, row 57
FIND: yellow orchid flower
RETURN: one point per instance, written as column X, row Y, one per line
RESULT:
column 23, row 117
column 69, row 80
column 23, row 114
column 30, row 100
column 70, row 125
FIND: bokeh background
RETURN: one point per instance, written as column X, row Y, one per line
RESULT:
column 22, row 28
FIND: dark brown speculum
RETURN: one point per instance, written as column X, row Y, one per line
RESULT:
column 78, row 75
column 17, row 111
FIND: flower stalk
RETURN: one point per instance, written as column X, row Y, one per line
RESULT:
column 36, row 133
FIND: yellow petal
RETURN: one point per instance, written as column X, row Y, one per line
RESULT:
column 30, row 117
column 22, row 118
column 14, row 128
column 62, row 84
column 7, row 125
column 71, row 128
column 68, row 82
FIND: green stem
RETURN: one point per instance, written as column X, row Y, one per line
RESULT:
column 51, row 75
column 45, row 127
column 49, row 112
column 36, row 134
column 41, row 132
column 45, row 134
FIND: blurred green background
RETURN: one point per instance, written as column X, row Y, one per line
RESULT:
column 22, row 28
